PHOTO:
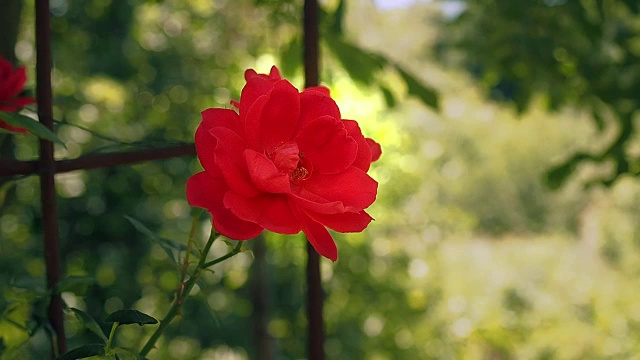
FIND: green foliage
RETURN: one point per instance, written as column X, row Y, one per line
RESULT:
column 558, row 175
column 89, row 323
column 74, row 284
column 365, row 67
column 362, row 65
column 427, row 95
column 577, row 53
column 170, row 247
column 130, row 316
column 469, row 256
column 83, row 352
column 127, row 354
column 34, row 127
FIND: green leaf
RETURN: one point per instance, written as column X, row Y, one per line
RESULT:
column 361, row 65
column 291, row 57
column 89, row 323
column 176, row 245
column 230, row 244
column 556, row 176
column 426, row 94
column 74, row 284
column 338, row 18
column 160, row 240
column 166, row 244
column 130, row 316
column 127, row 354
column 248, row 251
column 34, row 127
column 141, row 227
column 4, row 188
column 35, row 286
column 598, row 119
column 4, row 305
column 633, row 6
column 389, row 98
column 83, row 352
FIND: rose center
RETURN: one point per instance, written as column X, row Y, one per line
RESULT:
column 288, row 159
column 285, row 157
column 300, row 173
column 303, row 170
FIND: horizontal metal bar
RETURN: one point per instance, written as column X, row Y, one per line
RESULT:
column 17, row 167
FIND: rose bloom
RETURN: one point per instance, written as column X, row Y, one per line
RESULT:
column 286, row 162
column 11, row 85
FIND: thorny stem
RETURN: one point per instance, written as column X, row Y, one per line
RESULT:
column 185, row 263
column 186, row 289
column 233, row 252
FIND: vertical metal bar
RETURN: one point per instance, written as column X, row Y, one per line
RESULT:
column 314, row 284
column 314, row 305
column 47, row 168
column 311, row 44
column 261, row 301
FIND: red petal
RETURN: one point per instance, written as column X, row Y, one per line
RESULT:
column 264, row 173
column 13, row 84
column 271, row 211
column 228, row 118
column 363, row 159
column 205, row 141
column 229, row 156
column 23, row 101
column 314, row 104
column 207, row 192
column 353, row 187
column 275, row 73
column 325, row 142
column 376, row 149
column 257, row 85
column 286, row 157
column 15, row 105
column 321, row 89
column 318, row 236
column 6, row 126
column 344, row 222
column 274, row 123
column 313, row 203
column 251, row 122
column 5, row 68
column 250, row 74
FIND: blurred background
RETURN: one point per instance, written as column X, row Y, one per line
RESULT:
column 506, row 220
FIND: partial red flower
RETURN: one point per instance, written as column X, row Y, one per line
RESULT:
column 11, row 85
column 286, row 162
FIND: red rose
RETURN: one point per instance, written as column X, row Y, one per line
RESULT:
column 11, row 85
column 287, row 162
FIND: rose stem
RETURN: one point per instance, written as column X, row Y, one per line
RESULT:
column 182, row 295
